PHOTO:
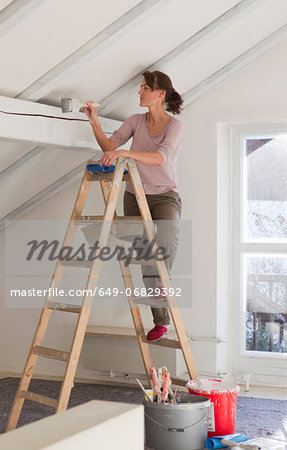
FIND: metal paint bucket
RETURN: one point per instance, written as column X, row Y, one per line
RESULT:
column 181, row 426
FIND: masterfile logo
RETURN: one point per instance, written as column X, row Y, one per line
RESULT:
column 140, row 250
column 34, row 249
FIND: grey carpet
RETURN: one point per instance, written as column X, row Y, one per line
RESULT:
column 256, row 417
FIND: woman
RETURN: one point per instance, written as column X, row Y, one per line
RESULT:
column 155, row 146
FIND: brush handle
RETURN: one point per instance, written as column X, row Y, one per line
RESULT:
column 160, row 378
column 239, row 444
column 84, row 105
column 143, row 389
column 156, row 388
column 230, row 443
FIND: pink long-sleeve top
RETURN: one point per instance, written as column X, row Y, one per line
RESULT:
column 155, row 179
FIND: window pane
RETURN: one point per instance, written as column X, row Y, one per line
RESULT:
column 265, row 187
column 266, row 304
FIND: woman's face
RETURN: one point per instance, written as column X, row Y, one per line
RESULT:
column 149, row 97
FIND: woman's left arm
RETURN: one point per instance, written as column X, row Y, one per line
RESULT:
column 148, row 158
column 170, row 142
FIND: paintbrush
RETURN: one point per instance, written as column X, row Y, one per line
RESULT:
column 239, row 444
column 143, row 389
column 74, row 105
column 172, row 396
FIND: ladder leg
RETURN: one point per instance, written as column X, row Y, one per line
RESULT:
column 68, row 380
column 184, row 343
column 90, row 287
column 46, row 313
column 135, row 311
column 140, row 333
column 28, row 371
column 162, row 271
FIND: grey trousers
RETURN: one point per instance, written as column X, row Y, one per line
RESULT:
column 165, row 211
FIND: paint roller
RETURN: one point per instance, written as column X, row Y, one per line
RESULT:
column 74, row 105
column 155, row 383
column 166, row 381
column 238, row 440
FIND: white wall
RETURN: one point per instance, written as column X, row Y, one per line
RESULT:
column 256, row 94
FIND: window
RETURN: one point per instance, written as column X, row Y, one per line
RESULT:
column 265, row 303
column 260, row 241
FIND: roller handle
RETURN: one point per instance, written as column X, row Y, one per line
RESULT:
column 166, row 381
column 156, row 388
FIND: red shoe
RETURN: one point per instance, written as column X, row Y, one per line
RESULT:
column 156, row 333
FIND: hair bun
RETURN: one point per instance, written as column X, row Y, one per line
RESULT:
column 174, row 102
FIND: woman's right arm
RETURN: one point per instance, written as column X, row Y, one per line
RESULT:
column 106, row 144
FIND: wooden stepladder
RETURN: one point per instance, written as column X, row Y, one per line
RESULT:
column 110, row 185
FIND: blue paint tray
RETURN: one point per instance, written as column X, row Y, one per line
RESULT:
column 96, row 168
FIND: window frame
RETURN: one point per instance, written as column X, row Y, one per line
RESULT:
column 248, row 360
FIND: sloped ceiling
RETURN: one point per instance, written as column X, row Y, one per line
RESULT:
column 90, row 49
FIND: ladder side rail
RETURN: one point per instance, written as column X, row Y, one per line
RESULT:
column 135, row 311
column 92, row 281
column 162, row 271
column 28, row 370
column 70, row 233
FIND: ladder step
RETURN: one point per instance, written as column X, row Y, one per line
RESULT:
column 142, row 262
column 179, row 381
column 28, row 395
column 151, row 301
column 74, row 263
column 164, row 342
column 51, row 353
column 91, row 219
column 105, row 176
column 87, row 264
column 87, row 219
column 65, row 307
column 137, row 218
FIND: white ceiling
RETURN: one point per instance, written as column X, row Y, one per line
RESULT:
column 46, row 41
column 53, row 30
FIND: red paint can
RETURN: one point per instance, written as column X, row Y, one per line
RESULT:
column 223, row 400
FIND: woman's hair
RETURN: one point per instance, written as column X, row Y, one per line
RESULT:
column 159, row 80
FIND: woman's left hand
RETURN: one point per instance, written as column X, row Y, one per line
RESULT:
column 109, row 157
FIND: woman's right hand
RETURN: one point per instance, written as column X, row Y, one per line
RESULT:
column 91, row 112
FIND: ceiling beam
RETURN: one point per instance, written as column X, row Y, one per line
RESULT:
column 48, row 192
column 92, row 48
column 241, row 62
column 23, row 121
column 24, row 162
column 15, row 12
column 187, row 47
